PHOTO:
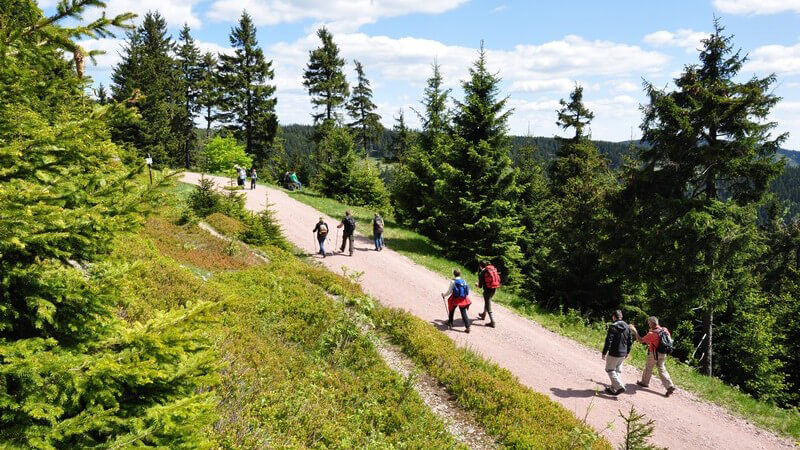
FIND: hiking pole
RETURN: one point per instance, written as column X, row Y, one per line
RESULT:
column 337, row 241
column 315, row 243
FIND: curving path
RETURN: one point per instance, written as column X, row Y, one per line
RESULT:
column 566, row 371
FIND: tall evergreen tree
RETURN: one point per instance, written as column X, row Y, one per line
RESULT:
column 475, row 215
column 188, row 56
column 248, row 101
column 402, row 140
column 435, row 118
column 208, row 95
column 74, row 373
column 580, row 184
column 366, row 124
column 535, row 207
column 101, row 94
column 695, row 193
column 325, row 80
column 148, row 68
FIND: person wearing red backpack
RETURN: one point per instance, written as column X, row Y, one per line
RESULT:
column 489, row 280
column 659, row 344
column 457, row 296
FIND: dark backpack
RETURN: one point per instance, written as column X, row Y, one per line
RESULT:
column 378, row 225
column 460, row 288
column 665, row 342
column 349, row 225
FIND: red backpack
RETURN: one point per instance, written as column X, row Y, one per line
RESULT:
column 491, row 279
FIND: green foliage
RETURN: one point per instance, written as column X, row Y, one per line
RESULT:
column 345, row 176
column 248, row 101
column 208, row 92
column 324, row 78
column 574, row 114
column 638, row 430
column 221, row 154
column 70, row 363
column 402, row 139
column 188, row 60
column 366, row 125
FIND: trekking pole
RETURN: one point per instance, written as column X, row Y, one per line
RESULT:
column 315, row 243
column 337, row 240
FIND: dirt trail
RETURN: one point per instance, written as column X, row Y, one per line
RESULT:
column 566, row 371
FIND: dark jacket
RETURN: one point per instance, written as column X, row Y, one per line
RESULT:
column 618, row 339
column 377, row 225
column 318, row 229
column 349, row 225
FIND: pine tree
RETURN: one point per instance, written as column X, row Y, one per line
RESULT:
column 475, row 215
column 149, row 75
column 580, row 185
column 694, row 196
column 188, row 57
column 75, row 375
column 208, row 95
column 248, row 101
column 535, row 206
column 325, row 80
column 101, row 95
column 402, row 140
column 638, row 431
column 435, row 118
column 366, row 123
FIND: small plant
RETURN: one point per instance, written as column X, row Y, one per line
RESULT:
column 204, row 200
column 638, row 430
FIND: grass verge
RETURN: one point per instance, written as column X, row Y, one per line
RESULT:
column 422, row 251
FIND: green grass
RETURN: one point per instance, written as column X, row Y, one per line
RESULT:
column 422, row 251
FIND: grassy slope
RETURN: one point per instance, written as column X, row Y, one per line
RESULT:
column 422, row 251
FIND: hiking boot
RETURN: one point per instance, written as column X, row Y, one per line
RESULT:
column 467, row 330
column 620, row 391
column 670, row 390
column 491, row 324
column 481, row 316
column 642, row 384
column 610, row 391
column 449, row 325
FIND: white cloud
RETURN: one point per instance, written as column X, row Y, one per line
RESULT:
column 497, row 9
column 358, row 12
column 175, row 12
column 685, row 38
column 112, row 48
column 757, row 6
column 554, row 84
column 774, row 58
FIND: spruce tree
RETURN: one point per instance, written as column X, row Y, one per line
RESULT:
column 325, row 80
column 475, row 216
column 694, row 195
column 75, row 374
column 188, row 58
column 435, row 117
column 535, row 207
column 208, row 95
column 248, row 101
column 580, row 184
column 101, row 95
column 402, row 139
column 366, row 124
column 149, row 69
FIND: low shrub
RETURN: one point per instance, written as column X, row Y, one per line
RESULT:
column 225, row 224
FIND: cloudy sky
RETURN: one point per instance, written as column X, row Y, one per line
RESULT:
column 540, row 51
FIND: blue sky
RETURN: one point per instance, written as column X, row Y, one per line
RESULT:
column 540, row 50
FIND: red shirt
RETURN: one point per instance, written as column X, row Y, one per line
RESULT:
column 651, row 339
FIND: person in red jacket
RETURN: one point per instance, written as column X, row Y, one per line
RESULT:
column 457, row 296
column 655, row 358
column 489, row 280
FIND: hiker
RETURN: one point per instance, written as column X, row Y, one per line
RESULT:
column 295, row 180
column 240, row 176
column 457, row 296
column 349, row 225
column 489, row 280
column 617, row 346
column 322, row 233
column 659, row 344
column 377, row 232
column 253, row 178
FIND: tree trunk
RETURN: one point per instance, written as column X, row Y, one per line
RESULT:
column 708, row 329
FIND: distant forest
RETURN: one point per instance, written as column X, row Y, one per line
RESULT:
column 297, row 142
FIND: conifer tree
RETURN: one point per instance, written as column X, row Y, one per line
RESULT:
column 101, row 95
column 75, row 375
column 188, row 57
column 580, row 184
column 208, row 94
column 694, row 193
column 366, row 124
column 475, row 214
column 435, row 118
column 325, row 80
column 402, row 139
column 248, row 101
column 535, row 206
column 148, row 68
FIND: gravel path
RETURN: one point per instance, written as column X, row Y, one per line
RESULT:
column 566, row 371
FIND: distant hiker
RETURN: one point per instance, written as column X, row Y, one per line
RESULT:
column 457, row 296
column 296, row 181
column 659, row 344
column 253, row 178
column 617, row 346
column 349, row 224
column 489, row 280
column 322, row 233
column 377, row 232
column 287, row 181
column 240, row 176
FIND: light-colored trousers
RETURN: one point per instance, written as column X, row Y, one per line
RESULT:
column 652, row 361
column 614, row 369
